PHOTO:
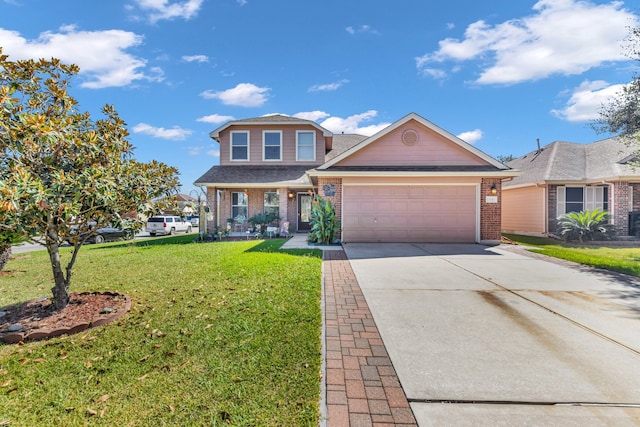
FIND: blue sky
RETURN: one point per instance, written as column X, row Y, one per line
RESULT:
column 499, row 74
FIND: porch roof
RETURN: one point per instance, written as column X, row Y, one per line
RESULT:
column 256, row 176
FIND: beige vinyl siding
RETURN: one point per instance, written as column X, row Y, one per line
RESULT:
column 256, row 146
column 431, row 149
column 523, row 209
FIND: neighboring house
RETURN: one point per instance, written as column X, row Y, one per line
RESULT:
column 567, row 177
column 410, row 182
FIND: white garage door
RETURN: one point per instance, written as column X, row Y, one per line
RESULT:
column 424, row 213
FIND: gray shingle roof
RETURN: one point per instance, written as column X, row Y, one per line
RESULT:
column 293, row 176
column 572, row 162
column 342, row 142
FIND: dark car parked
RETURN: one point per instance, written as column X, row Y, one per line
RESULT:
column 108, row 234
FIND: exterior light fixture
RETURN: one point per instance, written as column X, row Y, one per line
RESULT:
column 494, row 190
column 290, row 195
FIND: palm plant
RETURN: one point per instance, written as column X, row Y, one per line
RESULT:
column 586, row 225
column 324, row 222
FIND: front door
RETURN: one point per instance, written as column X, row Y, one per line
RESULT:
column 304, row 211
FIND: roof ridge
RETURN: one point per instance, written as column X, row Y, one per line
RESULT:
column 552, row 159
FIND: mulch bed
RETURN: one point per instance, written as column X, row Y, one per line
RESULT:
column 37, row 319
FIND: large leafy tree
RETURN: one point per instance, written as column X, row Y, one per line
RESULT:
column 62, row 172
column 621, row 115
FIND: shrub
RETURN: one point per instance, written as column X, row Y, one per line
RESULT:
column 585, row 226
column 8, row 238
column 324, row 223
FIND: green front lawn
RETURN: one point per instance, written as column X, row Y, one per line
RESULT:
column 615, row 258
column 219, row 333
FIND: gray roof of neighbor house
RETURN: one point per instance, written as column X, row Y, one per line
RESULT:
column 281, row 175
column 574, row 163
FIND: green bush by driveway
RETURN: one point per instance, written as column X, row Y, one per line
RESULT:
column 224, row 333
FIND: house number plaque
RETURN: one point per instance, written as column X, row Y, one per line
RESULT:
column 329, row 190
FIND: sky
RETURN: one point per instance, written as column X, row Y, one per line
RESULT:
column 499, row 75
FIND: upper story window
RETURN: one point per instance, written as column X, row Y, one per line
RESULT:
column 272, row 142
column 240, row 145
column 305, row 145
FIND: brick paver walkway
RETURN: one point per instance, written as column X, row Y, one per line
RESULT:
column 361, row 384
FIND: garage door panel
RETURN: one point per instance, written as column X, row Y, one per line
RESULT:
column 425, row 213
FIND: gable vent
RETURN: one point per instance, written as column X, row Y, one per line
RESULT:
column 410, row 137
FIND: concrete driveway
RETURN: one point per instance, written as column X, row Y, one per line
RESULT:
column 492, row 336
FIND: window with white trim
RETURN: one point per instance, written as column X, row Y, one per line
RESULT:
column 272, row 203
column 305, row 145
column 577, row 199
column 240, row 145
column 239, row 203
column 272, row 145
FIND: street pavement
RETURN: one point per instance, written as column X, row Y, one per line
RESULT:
column 29, row 247
column 489, row 336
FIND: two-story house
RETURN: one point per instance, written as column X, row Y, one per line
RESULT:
column 410, row 182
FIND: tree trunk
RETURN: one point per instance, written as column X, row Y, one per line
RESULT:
column 60, row 288
column 5, row 253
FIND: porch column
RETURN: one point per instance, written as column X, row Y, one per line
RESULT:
column 491, row 209
column 282, row 205
column 212, row 203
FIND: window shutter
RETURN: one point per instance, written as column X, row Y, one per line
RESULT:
column 562, row 198
column 593, row 198
column 599, row 198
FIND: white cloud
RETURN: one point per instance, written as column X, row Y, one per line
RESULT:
column 215, row 119
column 194, row 151
column 560, row 37
column 471, row 136
column 587, row 100
column 176, row 133
column 195, row 58
column 214, row 152
column 312, row 115
column 242, row 2
column 353, row 124
column 328, row 87
column 101, row 55
column 159, row 10
column 243, row 95
column 362, row 29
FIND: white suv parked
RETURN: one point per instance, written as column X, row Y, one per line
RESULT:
column 167, row 224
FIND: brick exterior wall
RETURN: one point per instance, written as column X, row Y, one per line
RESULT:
column 288, row 207
column 336, row 199
column 490, row 213
column 552, row 208
column 621, row 206
column 636, row 197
